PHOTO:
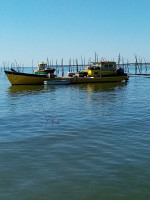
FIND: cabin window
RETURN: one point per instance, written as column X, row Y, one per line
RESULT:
column 108, row 67
column 111, row 67
column 96, row 66
column 105, row 68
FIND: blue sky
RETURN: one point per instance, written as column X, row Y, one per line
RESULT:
column 37, row 29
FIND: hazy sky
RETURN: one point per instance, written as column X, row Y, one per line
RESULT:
column 37, row 29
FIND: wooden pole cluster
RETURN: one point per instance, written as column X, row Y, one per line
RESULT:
column 15, row 65
column 76, row 65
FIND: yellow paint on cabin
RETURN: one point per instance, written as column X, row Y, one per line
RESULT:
column 98, row 69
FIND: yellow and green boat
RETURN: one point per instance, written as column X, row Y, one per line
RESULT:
column 40, row 75
column 97, row 72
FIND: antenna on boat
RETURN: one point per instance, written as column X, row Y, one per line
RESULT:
column 52, row 62
column 95, row 56
column 47, row 62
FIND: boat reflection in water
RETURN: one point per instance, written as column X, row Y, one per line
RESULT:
column 100, row 87
column 102, row 93
column 90, row 88
column 27, row 89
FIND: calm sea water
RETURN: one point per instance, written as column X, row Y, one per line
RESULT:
column 79, row 142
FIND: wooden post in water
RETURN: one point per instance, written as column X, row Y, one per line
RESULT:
column 136, row 64
column 32, row 67
column 52, row 63
column 127, row 66
column 73, row 65
column 97, row 57
column 119, row 61
column 62, row 67
column 81, row 67
column 141, row 66
column 145, row 65
column 57, row 68
column 123, row 63
column 4, row 65
column 69, row 64
column 77, row 64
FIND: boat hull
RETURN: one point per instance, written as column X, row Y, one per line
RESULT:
column 99, row 79
column 17, row 78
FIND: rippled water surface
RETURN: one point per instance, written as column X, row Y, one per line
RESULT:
column 79, row 142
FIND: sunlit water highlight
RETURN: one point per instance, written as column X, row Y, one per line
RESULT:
column 88, row 141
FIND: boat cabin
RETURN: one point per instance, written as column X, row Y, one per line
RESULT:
column 44, row 70
column 42, row 66
column 101, row 68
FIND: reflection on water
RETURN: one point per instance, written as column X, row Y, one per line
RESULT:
column 26, row 89
column 100, row 87
column 91, row 88
column 22, row 88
